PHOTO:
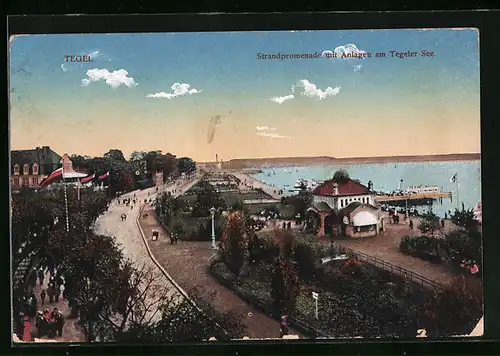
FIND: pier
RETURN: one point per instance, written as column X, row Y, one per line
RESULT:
column 413, row 196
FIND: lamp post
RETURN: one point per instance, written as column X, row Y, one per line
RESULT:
column 212, row 214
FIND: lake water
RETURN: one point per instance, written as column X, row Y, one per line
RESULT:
column 386, row 177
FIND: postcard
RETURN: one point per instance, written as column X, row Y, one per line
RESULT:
column 222, row 186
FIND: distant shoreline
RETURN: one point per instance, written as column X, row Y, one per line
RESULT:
column 261, row 163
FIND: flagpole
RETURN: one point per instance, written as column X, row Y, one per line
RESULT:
column 66, row 203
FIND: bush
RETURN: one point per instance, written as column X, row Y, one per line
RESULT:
column 424, row 247
column 454, row 310
column 285, row 287
column 306, row 260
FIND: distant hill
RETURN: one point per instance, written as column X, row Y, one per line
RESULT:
column 242, row 163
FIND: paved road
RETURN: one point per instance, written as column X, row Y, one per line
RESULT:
column 129, row 238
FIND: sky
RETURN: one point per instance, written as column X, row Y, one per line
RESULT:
column 202, row 94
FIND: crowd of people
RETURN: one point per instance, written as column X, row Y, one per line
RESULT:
column 48, row 323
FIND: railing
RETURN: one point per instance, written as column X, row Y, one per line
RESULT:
column 403, row 272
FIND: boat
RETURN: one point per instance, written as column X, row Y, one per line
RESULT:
column 422, row 189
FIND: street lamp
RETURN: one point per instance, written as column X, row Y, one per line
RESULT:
column 212, row 214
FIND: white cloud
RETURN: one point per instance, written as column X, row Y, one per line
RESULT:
column 349, row 49
column 177, row 90
column 272, row 135
column 357, row 67
column 269, row 131
column 311, row 91
column 114, row 79
column 282, row 99
column 63, row 68
column 265, row 128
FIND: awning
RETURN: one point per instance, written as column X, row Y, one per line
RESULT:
column 74, row 175
column 364, row 218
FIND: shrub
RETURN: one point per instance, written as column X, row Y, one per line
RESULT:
column 454, row 310
column 429, row 223
column 285, row 287
column 306, row 261
column 234, row 242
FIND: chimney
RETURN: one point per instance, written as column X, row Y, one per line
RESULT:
column 370, row 185
column 216, row 158
column 335, row 188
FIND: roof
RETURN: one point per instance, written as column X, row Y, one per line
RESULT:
column 347, row 187
column 322, row 206
column 353, row 206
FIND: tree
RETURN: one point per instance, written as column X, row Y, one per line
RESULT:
column 465, row 220
column 341, row 175
column 286, row 240
column 454, row 310
column 186, row 165
column 115, row 155
column 79, row 162
column 285, row 287
column 234, row 242
column 125, row 182
column 137, row 156
column 429, row 223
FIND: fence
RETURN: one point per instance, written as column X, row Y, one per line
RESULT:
column 407, row 274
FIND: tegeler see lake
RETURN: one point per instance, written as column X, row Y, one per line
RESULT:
column 386, row 177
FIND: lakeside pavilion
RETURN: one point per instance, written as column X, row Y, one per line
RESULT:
column 344, row 208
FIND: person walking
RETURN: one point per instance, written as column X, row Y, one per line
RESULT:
column 27, row 328
column 50, row 293
column 41, row 276
column 42, row 296
column 40, row 325
column 411, row 224
column 62, row 288
column 57, row 293
column 442, row 223
column 58, row 322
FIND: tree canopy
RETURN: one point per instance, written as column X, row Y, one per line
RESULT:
column 341, row 175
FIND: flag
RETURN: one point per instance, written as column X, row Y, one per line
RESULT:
column 52, row 178
column 87, row 179
column 104, row 175
column 454, row 178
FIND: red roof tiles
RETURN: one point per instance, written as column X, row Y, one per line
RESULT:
column 348, row 187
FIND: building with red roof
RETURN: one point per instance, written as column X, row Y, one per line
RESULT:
column 344, row 207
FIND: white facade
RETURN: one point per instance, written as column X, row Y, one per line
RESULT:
column 337, row 203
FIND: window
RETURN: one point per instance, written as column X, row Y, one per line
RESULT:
column 16, row 169
column 26, row 169
column 35, row 169
column 341, row 203
column 26, row 181
column 16, row 181
column 363, row 200
column 34, row 181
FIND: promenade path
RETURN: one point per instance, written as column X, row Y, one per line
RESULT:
column 257, row 184
column 70, row 331
column 385, row 246
column 187, row 263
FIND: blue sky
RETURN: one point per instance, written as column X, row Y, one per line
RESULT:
column 423, row 92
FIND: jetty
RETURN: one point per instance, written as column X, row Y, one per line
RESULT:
column 412, row 196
